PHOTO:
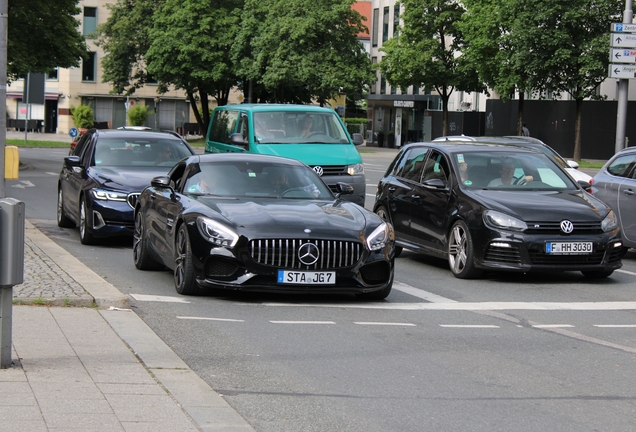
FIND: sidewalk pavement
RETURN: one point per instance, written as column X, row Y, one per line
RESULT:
column 83, row 361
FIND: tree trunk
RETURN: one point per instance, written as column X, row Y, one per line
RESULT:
column 445, row 98
column 577, row 130
column 195, row 110
column 522, row 98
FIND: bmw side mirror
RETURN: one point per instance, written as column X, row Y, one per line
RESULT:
column 435, row 183
column 72, row 161
column 160, row 182
column 357, row 139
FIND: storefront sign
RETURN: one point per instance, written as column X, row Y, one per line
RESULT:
column 405, row 104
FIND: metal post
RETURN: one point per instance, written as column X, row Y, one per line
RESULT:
column 4, row 10
column 6, row 299
column 26, row 102
column 623, row 91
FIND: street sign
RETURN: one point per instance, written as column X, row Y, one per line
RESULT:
column 623, row 40
column 622, row 71
column 73, row 132
column 618, row 55
column 622, row 27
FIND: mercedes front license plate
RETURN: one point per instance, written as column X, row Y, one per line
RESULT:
column 306, row 277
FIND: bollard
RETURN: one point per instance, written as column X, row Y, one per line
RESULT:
column 12, row 221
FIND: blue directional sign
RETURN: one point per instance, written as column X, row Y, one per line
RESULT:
column 73, row 132
column 623, row 28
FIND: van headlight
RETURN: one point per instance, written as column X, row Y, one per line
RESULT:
column 216, row 233
column 380, row 237
column 500, row 220
column 610, row 222
column 355, row 169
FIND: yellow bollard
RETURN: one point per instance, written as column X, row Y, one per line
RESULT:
column 11, row 162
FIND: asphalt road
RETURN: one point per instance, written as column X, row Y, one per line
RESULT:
column 507, row 352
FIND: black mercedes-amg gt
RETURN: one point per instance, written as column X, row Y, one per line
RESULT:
column 262, row 223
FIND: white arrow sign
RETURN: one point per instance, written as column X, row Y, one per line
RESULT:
column 25, row 184
column 622, row 27
column 618, row 55
column 623, row 40
column 622, row 71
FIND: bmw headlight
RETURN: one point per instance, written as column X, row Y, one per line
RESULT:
column 106, row 195
column 216, row 233
column 380, row 237
column 610, row 222
column 500, row 220
column 355, row 169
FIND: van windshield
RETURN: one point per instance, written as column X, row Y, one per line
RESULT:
column 286, row 127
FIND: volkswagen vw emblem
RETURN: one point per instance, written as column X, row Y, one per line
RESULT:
column 308, row 254
column 318, row 170
column 567, row 226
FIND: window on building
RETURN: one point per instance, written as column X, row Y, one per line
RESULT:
column 416, row 89
column 393, row 89
column 385, row 25
column 396, row 19
column 374, row 60
column 382, row 85
column 52, row 75
column 374, row 28
column 88, row 67
column 90, row 20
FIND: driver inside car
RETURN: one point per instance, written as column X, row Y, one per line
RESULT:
column 507, row 178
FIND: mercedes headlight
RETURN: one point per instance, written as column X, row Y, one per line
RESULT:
column 500, row 220
column 610, row 222
column 106, row 195
column 380, row 237
column 216, row 233
column 355, row 169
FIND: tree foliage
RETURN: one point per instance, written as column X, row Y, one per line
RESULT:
column 42, row 35
column 299, row 50
column 427, row 51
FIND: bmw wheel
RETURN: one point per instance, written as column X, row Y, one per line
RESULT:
column 461, row 254
column 62, row 220
column 184, row 280
column 142, row 258
column 86, row 237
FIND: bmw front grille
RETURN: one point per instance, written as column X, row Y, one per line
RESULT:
column 132, row 199
column 284, row 253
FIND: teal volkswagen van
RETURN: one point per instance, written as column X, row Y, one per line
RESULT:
column 314, row 135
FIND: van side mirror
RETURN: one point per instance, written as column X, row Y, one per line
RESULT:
column 237, row 140
column 357, row 139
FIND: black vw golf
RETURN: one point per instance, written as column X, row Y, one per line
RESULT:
column 256, row 222
column 491, row 207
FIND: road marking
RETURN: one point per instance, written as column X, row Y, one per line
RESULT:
column 549, row 326
column 52, row 173
column 209, row 319
column 420, row 293
column 25, row 184
column 456, row 306
column 626, row 272
column 468, row 326
column 615, row 325
column 371, row 195
column 156, row 298
column 385, row 324
column 302, row 322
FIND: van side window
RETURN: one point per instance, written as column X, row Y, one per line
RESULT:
column 223, row 125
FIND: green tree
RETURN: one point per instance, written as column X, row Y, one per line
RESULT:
column 83, row 116
column 138, row 115
column 42, row 35
column 491, row 46
column 427, row 51
column 565, row 46
column 190, row 49
column 301, row 50
column 125, row 41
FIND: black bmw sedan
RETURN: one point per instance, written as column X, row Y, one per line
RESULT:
column 102, row 178
column 485, row 206
column 263, row 223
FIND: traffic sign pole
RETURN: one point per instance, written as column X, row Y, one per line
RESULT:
column 623, row 83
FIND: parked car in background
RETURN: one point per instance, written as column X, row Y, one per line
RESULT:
column 496, row 207
column 102, row 178
column 615, row 184
column 571, row 166
column 260, row 223
column 311, row 134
